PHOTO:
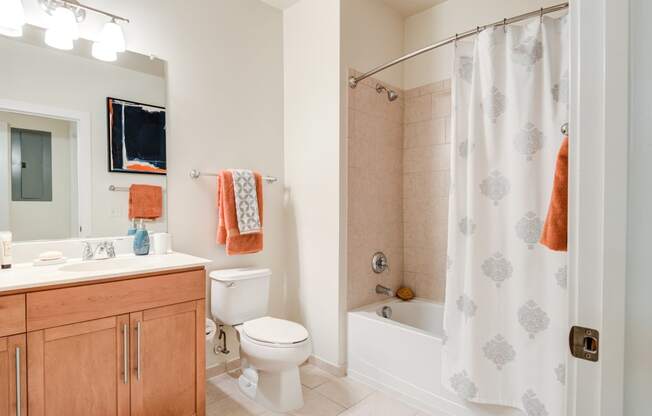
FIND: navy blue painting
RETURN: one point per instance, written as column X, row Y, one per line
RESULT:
column 136, row 137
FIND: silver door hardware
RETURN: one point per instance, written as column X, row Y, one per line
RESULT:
column 584, row 343
column 18, row 383
column 138, row 370
column 125, row 354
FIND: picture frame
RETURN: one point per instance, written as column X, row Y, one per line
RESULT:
column 136, row 137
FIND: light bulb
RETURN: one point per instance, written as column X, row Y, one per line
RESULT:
column 104, row 53
column 113, row 37
column 12, row 18
column 63, row 29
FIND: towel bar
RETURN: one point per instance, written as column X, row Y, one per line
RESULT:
column 194, row 173
column 114, row 188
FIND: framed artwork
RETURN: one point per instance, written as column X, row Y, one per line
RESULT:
column 136, row 137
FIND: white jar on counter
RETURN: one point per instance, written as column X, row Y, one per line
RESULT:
column 5, row 249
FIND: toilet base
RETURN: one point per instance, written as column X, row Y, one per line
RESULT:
column 276, row 391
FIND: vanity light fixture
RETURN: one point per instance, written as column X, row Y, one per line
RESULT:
column 63, row 29
column 102, row 52
column 67, row 14
column 112, row 41
column 113, row 37
column 12, row 18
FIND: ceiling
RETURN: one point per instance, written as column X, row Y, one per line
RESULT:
column 409, row 7
column 280, row 4
column 404, row 7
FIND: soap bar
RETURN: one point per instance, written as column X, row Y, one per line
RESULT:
column 50, row 255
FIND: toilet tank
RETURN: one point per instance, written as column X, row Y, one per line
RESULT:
column 239, row 295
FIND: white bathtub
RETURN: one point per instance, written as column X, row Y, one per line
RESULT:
column 402, row 355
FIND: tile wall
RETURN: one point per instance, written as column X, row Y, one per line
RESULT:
column 398, row 177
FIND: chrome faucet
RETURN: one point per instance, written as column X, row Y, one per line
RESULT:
column 382, row 290
column 103, row 250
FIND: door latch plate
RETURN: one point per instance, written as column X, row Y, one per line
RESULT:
column 584, row 343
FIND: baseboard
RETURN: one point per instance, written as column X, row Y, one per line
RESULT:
column 221, row 368
column 335, row 370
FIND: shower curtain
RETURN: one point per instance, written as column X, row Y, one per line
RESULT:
column 506, row 304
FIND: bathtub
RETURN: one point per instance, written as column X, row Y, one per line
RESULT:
column 402, row 355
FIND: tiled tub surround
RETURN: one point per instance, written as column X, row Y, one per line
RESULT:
column 375, row 189
column 398, row 180
column 426, row 170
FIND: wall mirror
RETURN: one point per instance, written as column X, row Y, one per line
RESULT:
column 75, row 134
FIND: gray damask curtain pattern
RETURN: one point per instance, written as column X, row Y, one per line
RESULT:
column 506, row 303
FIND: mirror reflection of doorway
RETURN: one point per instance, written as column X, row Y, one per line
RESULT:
column 39, row 180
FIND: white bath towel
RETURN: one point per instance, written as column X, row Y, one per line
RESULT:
column 246, row 201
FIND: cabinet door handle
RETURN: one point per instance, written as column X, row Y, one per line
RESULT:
column 125, row 354
column 18, row 386
column 138, row 330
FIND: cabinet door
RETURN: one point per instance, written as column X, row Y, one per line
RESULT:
column 80, row 369
column 13, row 380
column 167, row 357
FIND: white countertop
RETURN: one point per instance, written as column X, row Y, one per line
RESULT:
column 25, row 275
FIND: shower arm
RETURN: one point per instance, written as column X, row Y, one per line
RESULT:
column 353, row 81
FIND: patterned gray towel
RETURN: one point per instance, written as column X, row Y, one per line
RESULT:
column 246, row 201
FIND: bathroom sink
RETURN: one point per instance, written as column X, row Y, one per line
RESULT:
column 107, row 265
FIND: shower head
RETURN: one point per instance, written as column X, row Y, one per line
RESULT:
column 391, row 94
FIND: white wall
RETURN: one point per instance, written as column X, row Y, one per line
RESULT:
column 638, row 339
column 372, row 34
column 311, row 33
column 443, row 21
column 225, row 110
column 45, row 76
column 30, row 220
column 5, row 176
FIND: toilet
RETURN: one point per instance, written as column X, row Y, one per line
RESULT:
column 271, row 349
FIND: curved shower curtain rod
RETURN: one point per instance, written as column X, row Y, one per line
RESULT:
column 353, row 81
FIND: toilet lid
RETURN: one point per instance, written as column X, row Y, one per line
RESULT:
column 275, row 331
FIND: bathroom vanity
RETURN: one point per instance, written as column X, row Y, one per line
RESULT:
column 118, row 337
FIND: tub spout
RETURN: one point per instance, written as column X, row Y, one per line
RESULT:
column 382, row 290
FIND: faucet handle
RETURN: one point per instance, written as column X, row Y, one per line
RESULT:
column 379, row 262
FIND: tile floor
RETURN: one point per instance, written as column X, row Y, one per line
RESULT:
column 323, row 394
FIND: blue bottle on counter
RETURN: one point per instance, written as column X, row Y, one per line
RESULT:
column 132, row 228
column 141, row 240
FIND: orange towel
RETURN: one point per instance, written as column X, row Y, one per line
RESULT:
column 227, row 230
column 555, row 230
column 145, row 201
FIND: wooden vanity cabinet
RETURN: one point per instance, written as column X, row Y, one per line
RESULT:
column 13, row 379
column 79, row 369
column 126, row 347
column 165, row 345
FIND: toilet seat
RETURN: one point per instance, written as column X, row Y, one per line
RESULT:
column 274, row 332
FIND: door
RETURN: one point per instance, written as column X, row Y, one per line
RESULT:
column 167, row 377
column 597, row 199
column 13, row 386
column 79, row 369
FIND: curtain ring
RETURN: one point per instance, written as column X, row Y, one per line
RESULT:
column 541, row 15
column 456, row 35
column 505, row 25
column 477, row 30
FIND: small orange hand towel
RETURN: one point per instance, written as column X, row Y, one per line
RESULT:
column 555, row 230
column 145, row 201
column 228, row 232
